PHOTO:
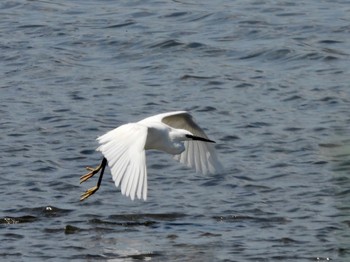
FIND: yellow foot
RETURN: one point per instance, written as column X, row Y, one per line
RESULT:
column 92, row 172
column 88, row 193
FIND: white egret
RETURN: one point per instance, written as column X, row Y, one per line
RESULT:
column 124, row 149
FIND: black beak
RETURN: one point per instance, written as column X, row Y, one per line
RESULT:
column 200, row 138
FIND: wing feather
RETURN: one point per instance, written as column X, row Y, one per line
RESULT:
column 198, row 155
column 124, row 149
column 133, row 186
column 142, row 183
column 144, row 191
column 119, row 170
column 134, row 173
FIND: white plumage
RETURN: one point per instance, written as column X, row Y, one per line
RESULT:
column 175, row 133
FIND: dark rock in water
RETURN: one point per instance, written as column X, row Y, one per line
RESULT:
column 71, row 229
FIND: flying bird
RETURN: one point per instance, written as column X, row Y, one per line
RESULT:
column 124, row 148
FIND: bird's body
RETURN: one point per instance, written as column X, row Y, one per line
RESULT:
column 174, row 133
column 164, row 138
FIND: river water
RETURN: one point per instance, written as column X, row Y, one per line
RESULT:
column 268, row 80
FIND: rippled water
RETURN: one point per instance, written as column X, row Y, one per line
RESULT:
column 268, row 80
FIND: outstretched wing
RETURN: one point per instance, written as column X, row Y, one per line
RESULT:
column 198, row 155
column 124, row 149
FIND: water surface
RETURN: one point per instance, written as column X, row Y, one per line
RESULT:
column 269, row 81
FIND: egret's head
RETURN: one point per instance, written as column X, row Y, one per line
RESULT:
column 184, row 135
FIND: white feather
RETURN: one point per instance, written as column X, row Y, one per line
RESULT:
column 124, row 148
column 204, row 152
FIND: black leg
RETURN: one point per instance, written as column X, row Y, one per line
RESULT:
column 92, row 190
column 93, row 171
column 103, row 164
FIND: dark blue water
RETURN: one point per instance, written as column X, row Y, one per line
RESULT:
column 268, row 80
